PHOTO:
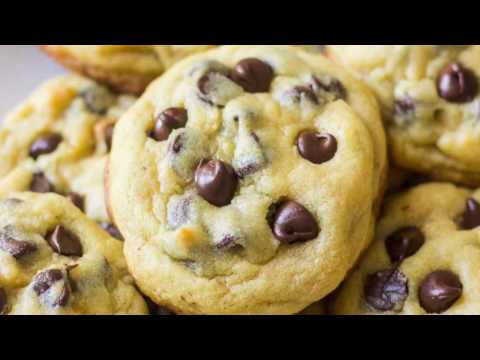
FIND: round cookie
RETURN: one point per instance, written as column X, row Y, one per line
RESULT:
column 425, row 258
column 58, row 141
column 56, row 261
column 235, row 181
column 125, row 68
column 430, row 95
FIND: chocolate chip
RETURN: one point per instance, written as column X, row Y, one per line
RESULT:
column 470, row 219
column 253, row 75
column 315, row 147
column 64, row 242
column 457, row 84
column 303, row 92
column 330, row 85
column 40, row 184
column 108, row 136
column 3, row 301
column 77, row 200
column 386, row 290
column 112, row 230
column 45, row 145
column 404, row 243
column 293, row 223
column 439, row 291
column 167, row 121
column 228, row 242
column 216, row 182
column 16, row 248
column 178, row 143
column 97, row 99
column 405, row 106
column 45, row 280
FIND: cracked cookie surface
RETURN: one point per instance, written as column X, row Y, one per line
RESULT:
column 56, row 261
column 431, row 101
column 235, row 181
column 425, row 257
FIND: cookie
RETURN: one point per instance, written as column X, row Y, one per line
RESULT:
column 56, row 261
column 431, row 101
column 425, row 257
column 124, row 68
column 235, row 181
column 58, row 141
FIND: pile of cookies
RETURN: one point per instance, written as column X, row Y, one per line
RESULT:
column 198, row 179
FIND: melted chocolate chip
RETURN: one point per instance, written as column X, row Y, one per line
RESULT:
column 216, row 182
column 300, row 92
column 471, row 217
column 77, row 200
column 330, row 85
column 3, row 301
column 439, row 291
column 457, row 84
column 45, row 145
column 229, row 242
column 253, row 75
column 293, row 223
column 178, row 143
column 16, row 248
column 404, row 106
column 64, row 242
column 386, row 290
column 40, row 184
column 112, row 230
column 45, row 280
column 404, row 243
column 315, row 147
column 167, row 121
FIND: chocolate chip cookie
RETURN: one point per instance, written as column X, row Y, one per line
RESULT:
column 56, row 261
column 425, row 258
column 431, row 100
column 125, row 68
column 58, row 141
column 245, row 181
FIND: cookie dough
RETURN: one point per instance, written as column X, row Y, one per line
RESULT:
column 425, row 258
column 58, row 141
column 125, row 68
column 245, row 181
column 431, row 101
column 56, row 261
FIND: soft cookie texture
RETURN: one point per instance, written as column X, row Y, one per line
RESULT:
column 125, row 68
column 245, row 181
column 425, row 257
column 431, row 100
column 58, row 141
column 56, row 261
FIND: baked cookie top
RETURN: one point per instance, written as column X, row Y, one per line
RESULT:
column 235, row 180
column 58, row 141
column 54, row 260
column 425, row 257
column 127, row 68
column 430, row 96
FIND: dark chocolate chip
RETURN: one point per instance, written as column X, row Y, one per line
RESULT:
column 404, row 243
column 167, row 121
column 16, row 248
column 228, row 242
column 253, row 75
column 3, row 301
column 293, row 223
column 77, row 200
column 439, row 291
column 43, row 281
column 40, row 184
column 216, row 182
column 112, row 230
column 333, row 86
column 386, row 290
column 470, row 219
column 315, row 147
column 178, row 143
column 457, row 84
column 404, row 106
column 64, row 242
column 45, row 145
column 300, row 92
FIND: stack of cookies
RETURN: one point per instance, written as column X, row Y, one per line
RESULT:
column 197, row 179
